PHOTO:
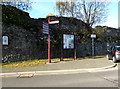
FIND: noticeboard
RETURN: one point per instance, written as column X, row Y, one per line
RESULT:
column 68, row 41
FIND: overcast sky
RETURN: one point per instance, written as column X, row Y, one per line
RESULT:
column 41, row 9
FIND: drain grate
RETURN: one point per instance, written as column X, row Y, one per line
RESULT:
column 25, row 75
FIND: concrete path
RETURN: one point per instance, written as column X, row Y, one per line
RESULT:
column 63, row 66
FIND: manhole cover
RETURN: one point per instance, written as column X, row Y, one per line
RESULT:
column 25, row 76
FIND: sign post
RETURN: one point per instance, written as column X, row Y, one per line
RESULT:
column 50, row 22
column 93, row 36
column 49, row 60
column 46, row 31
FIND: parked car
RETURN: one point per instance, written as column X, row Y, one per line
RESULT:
column 114, row 54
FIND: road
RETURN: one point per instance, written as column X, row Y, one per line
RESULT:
column 102, row 78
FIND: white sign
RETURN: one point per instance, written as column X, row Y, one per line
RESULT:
column 46, row 28
column 53, row 22
column 68, row 41
column 93, row 35
column 5, row 40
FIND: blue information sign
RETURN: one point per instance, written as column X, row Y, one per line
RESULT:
column 68, row 41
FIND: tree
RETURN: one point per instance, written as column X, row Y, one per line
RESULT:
column 90, row 12
column 26, row 5
column 66, row 8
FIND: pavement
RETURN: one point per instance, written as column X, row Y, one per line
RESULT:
column 62, row 66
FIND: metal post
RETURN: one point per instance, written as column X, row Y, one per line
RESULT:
column 49, row 60
column 61, row 49
column 93, row 47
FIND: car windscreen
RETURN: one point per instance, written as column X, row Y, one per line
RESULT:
column 117, row 48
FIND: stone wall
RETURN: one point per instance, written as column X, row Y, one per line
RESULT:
column 27, row 42
column 86, row 49
column 22, row 44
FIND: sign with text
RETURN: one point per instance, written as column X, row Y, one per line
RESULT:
column 93, row 35
column 45, row 28
column 5, row 40
column 68, row 41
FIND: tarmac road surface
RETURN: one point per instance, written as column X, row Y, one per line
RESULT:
column 101, row 78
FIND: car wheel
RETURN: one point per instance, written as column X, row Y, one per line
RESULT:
column 107, row 56
column 114, row 60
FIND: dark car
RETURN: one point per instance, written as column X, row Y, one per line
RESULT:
column 114, row 54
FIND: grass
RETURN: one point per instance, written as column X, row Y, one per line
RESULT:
column 22, row 64
column 92, row 56
column 36, row 62
column 28, row 63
